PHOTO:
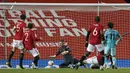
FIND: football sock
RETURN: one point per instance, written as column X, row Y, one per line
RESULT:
column 10, row 56
column 101, row 61
column 111, row 60
column 84, row 57
column 106, row 60
column 21, row 58
column 36, row 60
column 102, row 58
column 114, row 60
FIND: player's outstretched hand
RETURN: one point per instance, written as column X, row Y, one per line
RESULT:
column 53, row 56
column 64, row 52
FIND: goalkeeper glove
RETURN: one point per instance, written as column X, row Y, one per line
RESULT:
column 64, row 52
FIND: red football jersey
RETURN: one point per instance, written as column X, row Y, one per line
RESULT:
column 19, row 30
column 95, row 35
column 29, row 39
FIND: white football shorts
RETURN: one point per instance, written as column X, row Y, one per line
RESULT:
column 34, row 52
column 18, row 44
column 99, row 47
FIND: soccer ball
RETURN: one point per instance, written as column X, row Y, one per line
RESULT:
column 50, row 63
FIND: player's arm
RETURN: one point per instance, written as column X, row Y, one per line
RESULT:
column 58, row 53
column 105, row 38
column 102, row 34
column 25, row 27
column 14, row 29
column 36, row 38
column 87, row 37
column 33, row 37
column 119, row 38
column 23, row 40
column 68, row 50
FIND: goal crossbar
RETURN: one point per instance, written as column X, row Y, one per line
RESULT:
column 66, row 4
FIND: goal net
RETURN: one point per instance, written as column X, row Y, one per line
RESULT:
column 54, row 22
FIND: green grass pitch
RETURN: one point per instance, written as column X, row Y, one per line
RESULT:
column 83, row 70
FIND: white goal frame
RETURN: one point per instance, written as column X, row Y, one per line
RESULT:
column 98, row 5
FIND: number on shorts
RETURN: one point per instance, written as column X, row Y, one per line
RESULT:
column 26, row 38
column 95, row 32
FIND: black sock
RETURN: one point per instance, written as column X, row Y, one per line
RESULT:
column 36, row 60
column 21, row 59
column 84, row 57
column 10, row 56
column 111, row 60
column 102, row 58
column 101, row 61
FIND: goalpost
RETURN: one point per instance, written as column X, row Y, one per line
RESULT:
column 68, row 21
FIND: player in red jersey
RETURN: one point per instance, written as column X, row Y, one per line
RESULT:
column 17, row 41
column 93, row 40
column 93, row 61
column 29, row 39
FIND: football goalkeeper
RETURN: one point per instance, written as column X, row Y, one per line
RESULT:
column 64, row 50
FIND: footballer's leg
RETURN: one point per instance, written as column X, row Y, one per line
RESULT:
column 63, row 65
column 36, row 58
column 100, row 48
column 106, row 57
column 113, row 54
column 10, row 57
column 14, row 46
column 110, row 57
column 93, row 62
column 101, row 63
column 90, row 49
column 21, row 58
column 21, row 48
column 35, row 54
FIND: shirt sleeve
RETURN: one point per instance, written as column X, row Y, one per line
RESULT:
column 89, row 28
column 33, row 37
column 36, row 37
column 68, row 49
column 58, row 53
column 118, row 35
column 23, row 39
column 105, row 35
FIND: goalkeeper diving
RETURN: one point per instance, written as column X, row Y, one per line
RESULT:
column 64, row 50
